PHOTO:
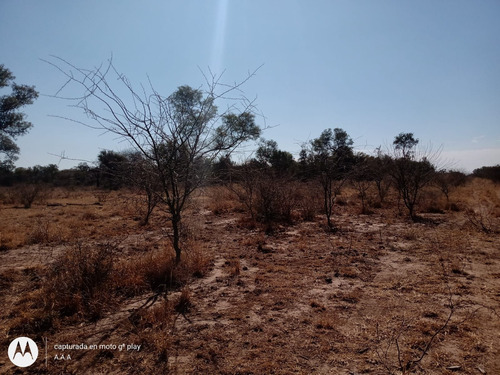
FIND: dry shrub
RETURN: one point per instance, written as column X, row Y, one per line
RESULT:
column 254, row 240
column 269, row 199
column 101, row 196
column 6, row 242
column 482, row 217
column 39, row 233
column 153, row 271
column 275, row 201
column 432, row 202
column 308, row 202
column 78, row 283
column 412, row 234
column 29, row 319
column 475, row 192
column 157, row 270
column 183, row 304
column 154, row 326
column 194, row 263
column 190, row 230
column 8, row 195
column 27, row 194
column 348, row 272
column 404, row 342
column 85, row 282
column 8, row 277
column 222, row 200
column 89, row 216
column 198, row 263
column 234, row 267
column 326, row 321
column 453, row 207
column 31, row 314
column 352, row 297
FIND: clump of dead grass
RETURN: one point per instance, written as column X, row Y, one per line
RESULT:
column 222, row 200
column 7, row 195
column 27, row 194
column 307, row 201
column 155, row 326
column 78, row 283
column 184, row 303
column 234, row 267
column 6, row 242
column 483, row 218
column 39, row 233
column 157, row 270
column 86, row 282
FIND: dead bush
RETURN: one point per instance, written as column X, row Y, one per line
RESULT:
column 401, row 348
column 5, row 242
column 39, row 233
column 154, row 327
column 308, row 202
column 8, row 195
column 27, row 194
column 234, row 267
column 221, row 200
column 432, row 203
column 482, row 218
column 183, row 303
column 275, row 201
column 157, row 271
column 101, row 196
column 28, row 319
column 78, row 283
column 89, row 216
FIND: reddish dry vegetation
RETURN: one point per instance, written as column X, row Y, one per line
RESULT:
column 381, row 295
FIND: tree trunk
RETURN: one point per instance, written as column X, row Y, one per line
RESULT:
column 176, row 221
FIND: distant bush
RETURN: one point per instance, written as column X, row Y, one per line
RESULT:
column 27, row 194
column 275, row 201
column 491, row 173
column 447, row 181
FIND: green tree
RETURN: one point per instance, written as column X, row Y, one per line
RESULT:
column 405, row 145
column 332, row 157
column 13, row 122
column 491, row 172
column 411, row 171
column 181, row 135
column 268, row 154
column 112, row 169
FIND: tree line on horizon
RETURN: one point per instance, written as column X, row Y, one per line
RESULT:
column 110, row 169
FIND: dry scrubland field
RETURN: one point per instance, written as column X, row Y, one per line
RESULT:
column 381, row 295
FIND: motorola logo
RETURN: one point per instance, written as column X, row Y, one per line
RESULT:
column 23, row 352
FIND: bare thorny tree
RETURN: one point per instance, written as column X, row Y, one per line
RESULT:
column 178, row 135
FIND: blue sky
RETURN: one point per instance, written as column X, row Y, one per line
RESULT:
column 373, row 68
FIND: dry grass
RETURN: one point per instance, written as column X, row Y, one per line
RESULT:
column 298, row 300
column 222, row 200
column 68, row 216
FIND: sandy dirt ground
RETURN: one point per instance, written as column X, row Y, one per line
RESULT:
column 381, row 295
